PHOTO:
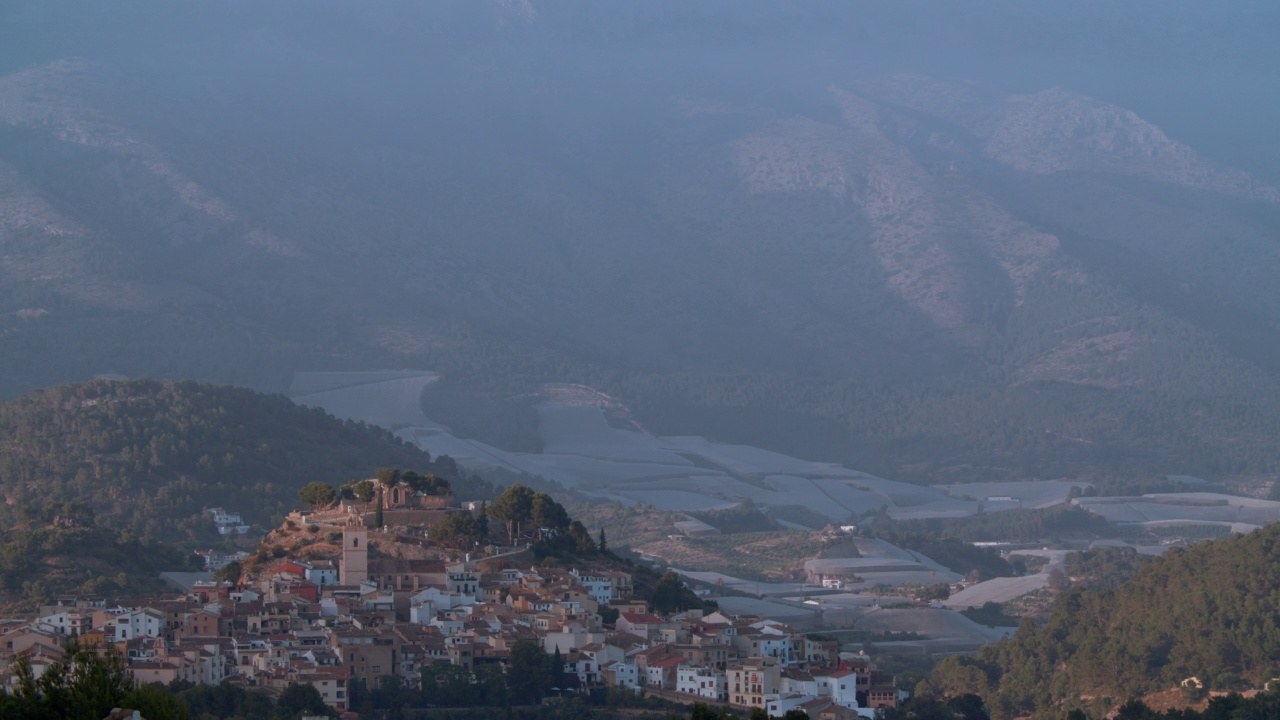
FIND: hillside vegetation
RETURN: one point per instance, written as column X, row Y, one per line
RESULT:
column 1210, row 611
column 39, row 564
column 151, row 457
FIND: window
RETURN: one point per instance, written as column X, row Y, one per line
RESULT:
column 355, row 542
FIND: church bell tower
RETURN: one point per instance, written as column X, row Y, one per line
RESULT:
column 355, row 552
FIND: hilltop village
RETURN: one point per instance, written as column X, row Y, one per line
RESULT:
column 388, row 580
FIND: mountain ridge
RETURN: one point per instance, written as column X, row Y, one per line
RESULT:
column 784, row 234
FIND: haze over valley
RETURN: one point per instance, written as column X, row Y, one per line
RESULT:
column 819, row 233
column 924, row 324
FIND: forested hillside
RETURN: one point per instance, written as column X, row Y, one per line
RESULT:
column 39, row 564
column 1209, row 611
column 151, row 457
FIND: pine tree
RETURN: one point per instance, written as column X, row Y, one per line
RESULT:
column 603, row 544
column 377, row 514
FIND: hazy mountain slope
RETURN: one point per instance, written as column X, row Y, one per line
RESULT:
column 799, row 227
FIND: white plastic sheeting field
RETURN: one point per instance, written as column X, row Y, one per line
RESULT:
column 581, row 450
column 881, row 563
column 389, row 399
column 688, row 473
column 1196, row 507
column 584, row 452
column 1029, row 494
column 945, row 630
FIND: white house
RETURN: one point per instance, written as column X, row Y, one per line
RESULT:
column 703, row 682
column 321, row 573
column 795, row 681
column 448, row 625
column 215, row 561
column 420, row 613
column 572, row 637
column 777, row 647
column 66, row 622
column 222, row 517
column 228, row 522
column 425, row 605
column 625, row 674
column 583, row 666
column 463, row 579
column 602, row 654
column 780, row 704
column 139, row 622
column 598, row 586
column 844, row 688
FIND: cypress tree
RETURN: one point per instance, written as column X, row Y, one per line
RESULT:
column 557, row 670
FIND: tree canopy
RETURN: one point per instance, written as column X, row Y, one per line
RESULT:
column 1210, row 610
column 152, row 456
column 519, row 506
column 317, row 494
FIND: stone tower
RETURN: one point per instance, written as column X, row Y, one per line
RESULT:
column 355, row 552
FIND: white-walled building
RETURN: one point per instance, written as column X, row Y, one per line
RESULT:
column 598, row 585
column 624, row 674
column 781, row 704
column 702, row 682
column 228, row 522
column 136, row 623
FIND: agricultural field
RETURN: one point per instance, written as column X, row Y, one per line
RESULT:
column 943, row 630
column 997, row 590
column 589, row 447
column 772, row 556
column 1027, row 494
column 628, row 526
column 877, row 562
column 389, row 399
column 1192, row 506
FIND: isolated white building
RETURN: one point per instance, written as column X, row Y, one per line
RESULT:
column 228, row 523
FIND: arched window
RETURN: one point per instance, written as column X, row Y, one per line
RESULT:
column 355, row 542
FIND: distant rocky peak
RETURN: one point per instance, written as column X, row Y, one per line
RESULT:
column 1056, row 130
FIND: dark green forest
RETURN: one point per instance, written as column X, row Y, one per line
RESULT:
column 152, row 456
column 38, row 564
column 1211, row 611
column 1104, row 568
column 1232, row 706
